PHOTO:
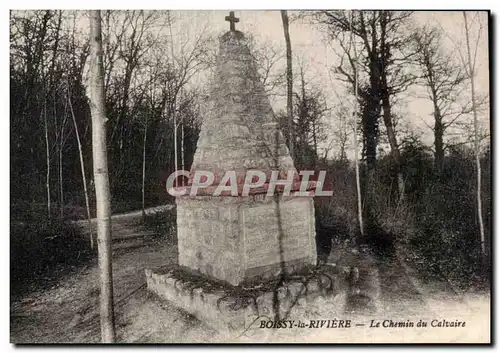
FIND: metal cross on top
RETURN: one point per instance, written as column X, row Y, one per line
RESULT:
column 232, row 20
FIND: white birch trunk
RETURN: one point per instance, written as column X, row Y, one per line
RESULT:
column 182, row 149
column 355, row 138
column 101, row 179
column 47, row 152
column 61, row 190
column 289, row 82
column 175, row 139
column 476, row 138
column 174, row 102
column 82, row 166
column 144, row 168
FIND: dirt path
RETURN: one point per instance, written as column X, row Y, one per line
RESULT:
column 68, row 311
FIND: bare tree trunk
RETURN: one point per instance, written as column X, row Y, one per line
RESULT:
column 61, row 191
column 174, row 102
column 182, row 149
column 82, row 166
column 438, row 137
column 391, row 135
column 442, row 77
column 315, row 142
column 182, row 140
column 61, row 136
column 175, row 140
column 358, row 182
column 144, row 167
column 355, row 138
column 289, row 82
column 386, row 104
column 476, row 139
column 101, row 178
column 47, row 152
column 342, row 154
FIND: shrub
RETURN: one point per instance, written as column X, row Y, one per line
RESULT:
column 163, row 223
column 443, row 234
column 435, row 227
column 39, row 245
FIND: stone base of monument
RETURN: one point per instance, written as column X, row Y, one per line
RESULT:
column 235, row 309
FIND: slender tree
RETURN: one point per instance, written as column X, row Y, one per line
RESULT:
column 385, row 56
column 62, row 137
column 47, row 157
column 355, row 128
column 82, row 167
column 394, row 78
column 471, row 68
column 144, row 167
column 49, row 53
column 289, row 82
column 341, row 132
column 103, row 197
column 338, row 24
column 444, row 80
column 310, row 110
column 174, row 100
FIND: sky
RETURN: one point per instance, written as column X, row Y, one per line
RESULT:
column 310, row 45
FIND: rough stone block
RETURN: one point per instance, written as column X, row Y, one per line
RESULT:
column 245, row 238
column 227, row 308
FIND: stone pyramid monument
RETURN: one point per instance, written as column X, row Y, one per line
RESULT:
column 233, row 247
column 239, row 239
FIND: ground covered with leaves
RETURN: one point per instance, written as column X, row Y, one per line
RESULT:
column 66, row 310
